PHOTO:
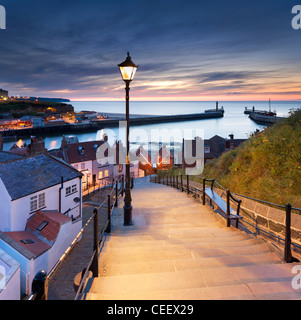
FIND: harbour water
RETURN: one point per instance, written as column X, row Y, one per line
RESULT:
column 234, row 121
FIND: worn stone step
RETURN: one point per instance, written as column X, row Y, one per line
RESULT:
column 234, row 292
column 146, row 282
column 164, row 281
column 168, row 245
column 165, row 254
column 251, row 291
column 111, row 269
column 115, row 242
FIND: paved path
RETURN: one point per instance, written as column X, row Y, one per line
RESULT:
column 179, row 249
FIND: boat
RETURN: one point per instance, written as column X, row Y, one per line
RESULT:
column 249, row 111
column 265, row 117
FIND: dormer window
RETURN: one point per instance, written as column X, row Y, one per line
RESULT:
column 206, row 149
column 27, row 241
column 81, row 150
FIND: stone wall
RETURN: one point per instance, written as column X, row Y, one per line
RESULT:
column 267, row 218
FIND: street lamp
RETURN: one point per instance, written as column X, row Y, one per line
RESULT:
column 127, row 69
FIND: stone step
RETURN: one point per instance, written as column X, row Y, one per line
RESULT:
column 217, row 277
column 111, row 269
column 250, row 291
column 196, row 232
column 169, row 245
column 115, row 242
column 193, row 253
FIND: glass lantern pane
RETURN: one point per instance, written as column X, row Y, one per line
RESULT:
column 127, row 73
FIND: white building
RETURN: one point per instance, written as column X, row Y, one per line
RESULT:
column 38, row 194
column 9, row 277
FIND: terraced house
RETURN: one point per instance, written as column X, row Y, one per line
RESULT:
column 40, row 211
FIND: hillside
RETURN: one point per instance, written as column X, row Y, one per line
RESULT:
column 18, row 108
column 267, row 166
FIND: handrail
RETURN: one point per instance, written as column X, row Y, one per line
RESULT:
column 107, row 228
column 288, row 208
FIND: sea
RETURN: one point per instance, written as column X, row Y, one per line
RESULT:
column 234, row 121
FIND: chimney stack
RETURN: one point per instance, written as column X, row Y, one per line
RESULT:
column 1, row 143
column 64, row 143
column 37, row 146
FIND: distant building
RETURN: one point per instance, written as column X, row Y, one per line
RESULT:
column 145, row 161
column 36, row 146
column 3, row 94
column 83, row 157
column 213, row 148
column 164, row 158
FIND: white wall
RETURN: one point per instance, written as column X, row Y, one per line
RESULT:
column 12, row 288
column 20, row 208
column 5, row 208
column 87, row 171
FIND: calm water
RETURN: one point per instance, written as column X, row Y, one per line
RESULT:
column 234, row 121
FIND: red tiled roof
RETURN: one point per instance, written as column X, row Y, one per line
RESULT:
column 54, row 221
column 74, row 156
column 36, row 248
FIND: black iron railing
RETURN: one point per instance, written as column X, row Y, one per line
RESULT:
column 198, row 189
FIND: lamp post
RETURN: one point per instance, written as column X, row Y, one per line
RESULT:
column 127, row 69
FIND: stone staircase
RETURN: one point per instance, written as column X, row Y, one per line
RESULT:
column 178, row 249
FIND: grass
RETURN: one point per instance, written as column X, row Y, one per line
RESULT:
column 267, row 166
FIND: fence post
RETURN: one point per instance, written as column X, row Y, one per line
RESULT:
column 187, row 184
column 122, row 185
column 204, row 186
column 228, row 208
column 287, row 245
column 39, row 286
column 116, row 194
column 94, row 265
column 108, row 230
column 182, row 183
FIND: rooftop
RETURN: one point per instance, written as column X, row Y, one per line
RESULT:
column 40, row 234
column 6, row 156
column 25, row 176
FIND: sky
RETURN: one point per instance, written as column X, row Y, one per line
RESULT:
column 191, row 50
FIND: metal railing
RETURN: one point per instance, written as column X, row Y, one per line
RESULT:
column 41, row 280
column 197, row 189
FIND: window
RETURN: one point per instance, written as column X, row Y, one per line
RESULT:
column 27, row 241
column 70, row 190
column 76, row 166
column 42, row 225
column 41, row 200
column 100, row 175
column 106, row 173
column 207, row 149
column 82, row 166
column 37, row 202
column 34, row 203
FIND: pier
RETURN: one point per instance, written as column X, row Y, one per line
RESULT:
column 95, row 125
